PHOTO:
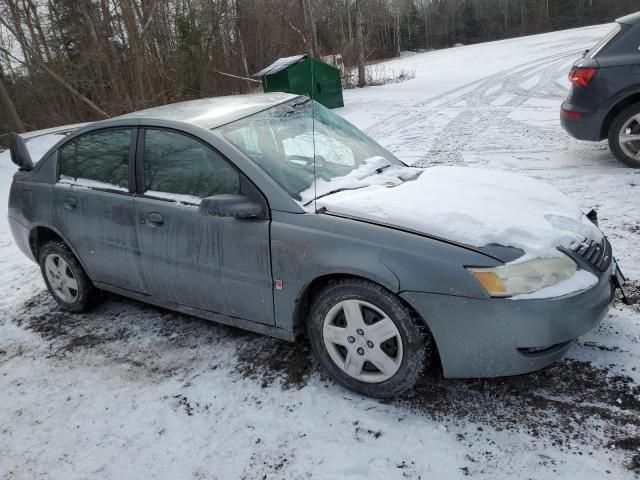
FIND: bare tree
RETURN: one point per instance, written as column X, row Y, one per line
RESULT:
column 65, row 61
column 311, row 27
column 362, row 74
column 6, row 105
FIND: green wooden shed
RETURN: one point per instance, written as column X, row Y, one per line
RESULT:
column 304, row 75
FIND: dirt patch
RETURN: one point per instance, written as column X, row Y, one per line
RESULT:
column 115, row 327
column 270, row 360
column 571, row 402
column 629, row 443
column 632, row 289
column 69, row 331
column 361, row 432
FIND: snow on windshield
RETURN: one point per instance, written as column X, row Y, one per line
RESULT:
column 473, row 206
column 375, row 171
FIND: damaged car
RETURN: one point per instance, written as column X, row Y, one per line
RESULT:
column 270, row 213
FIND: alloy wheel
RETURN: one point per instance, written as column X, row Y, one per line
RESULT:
column 61, row 278
column 362, row 341
column 629, row 137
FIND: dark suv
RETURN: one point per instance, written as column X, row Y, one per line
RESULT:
column 604, row 101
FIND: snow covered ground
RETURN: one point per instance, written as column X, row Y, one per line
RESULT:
column 132, row 391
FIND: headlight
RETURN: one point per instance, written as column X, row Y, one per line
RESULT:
column 524, row 277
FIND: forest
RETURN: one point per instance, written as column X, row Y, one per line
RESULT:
column 69, row 61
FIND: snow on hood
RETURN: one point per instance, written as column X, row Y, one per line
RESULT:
column 373, row 171
column 473, row 206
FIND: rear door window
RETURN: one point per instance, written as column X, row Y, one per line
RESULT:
column 97, row 159
column 602, row 44
column 180, row 167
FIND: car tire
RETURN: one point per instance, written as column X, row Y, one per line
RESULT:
column 622, row 121
column 65, row 278
column 381, row 359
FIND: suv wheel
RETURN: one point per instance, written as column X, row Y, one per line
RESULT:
column 367, row 339
column 65, row 278
column 624, row 136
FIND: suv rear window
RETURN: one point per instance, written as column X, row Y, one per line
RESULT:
column 604, row 42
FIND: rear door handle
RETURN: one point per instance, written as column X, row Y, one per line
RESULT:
column 153, row 218
column 70, row 203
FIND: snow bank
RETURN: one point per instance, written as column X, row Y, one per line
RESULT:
column 473, row 206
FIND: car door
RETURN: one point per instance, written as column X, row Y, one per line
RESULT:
column 93, row 205
column 217, row 264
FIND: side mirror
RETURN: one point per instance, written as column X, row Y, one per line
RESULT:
column 19, row 152
column 228, row 205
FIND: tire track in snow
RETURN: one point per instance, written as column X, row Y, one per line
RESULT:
column 454, row 96
column 477, row 111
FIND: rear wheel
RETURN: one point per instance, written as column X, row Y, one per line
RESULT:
column 65, row 278
column 624, row 136
column 367, row 339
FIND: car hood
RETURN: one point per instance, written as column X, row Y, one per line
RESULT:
column 472, row 206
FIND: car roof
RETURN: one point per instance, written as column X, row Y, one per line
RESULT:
column 632, row 19
column 213, row 112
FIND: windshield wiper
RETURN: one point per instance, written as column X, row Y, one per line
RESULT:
column 377, row 171
column 337, row 190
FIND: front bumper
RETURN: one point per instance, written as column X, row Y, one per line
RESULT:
column 498, row 337
column 587, row 127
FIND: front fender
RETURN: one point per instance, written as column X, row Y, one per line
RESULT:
column 438, row 269
column 307, row 247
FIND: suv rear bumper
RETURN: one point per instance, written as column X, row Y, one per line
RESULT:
column 581, row 124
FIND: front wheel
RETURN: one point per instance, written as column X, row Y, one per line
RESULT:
column 367, row 339
column 624, row 136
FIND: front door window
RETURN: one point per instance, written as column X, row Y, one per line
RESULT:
column 179, row 165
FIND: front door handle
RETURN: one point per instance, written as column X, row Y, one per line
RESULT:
column 70, row 203
column 153, row 218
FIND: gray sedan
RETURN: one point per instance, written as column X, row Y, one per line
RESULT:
column 270, row 213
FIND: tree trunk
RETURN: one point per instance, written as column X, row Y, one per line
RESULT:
column 397, row 35
column 314, row 33
column 362, row 74
column 7, row 106
column 243, row 53
column 349, row 26
column 426, row 29
column 311, row 25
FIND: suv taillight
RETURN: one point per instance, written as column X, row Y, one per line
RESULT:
column 581, row 77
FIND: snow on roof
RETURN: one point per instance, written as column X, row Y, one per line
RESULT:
column 279, row 65
column 631, row 19
column 216, row 111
